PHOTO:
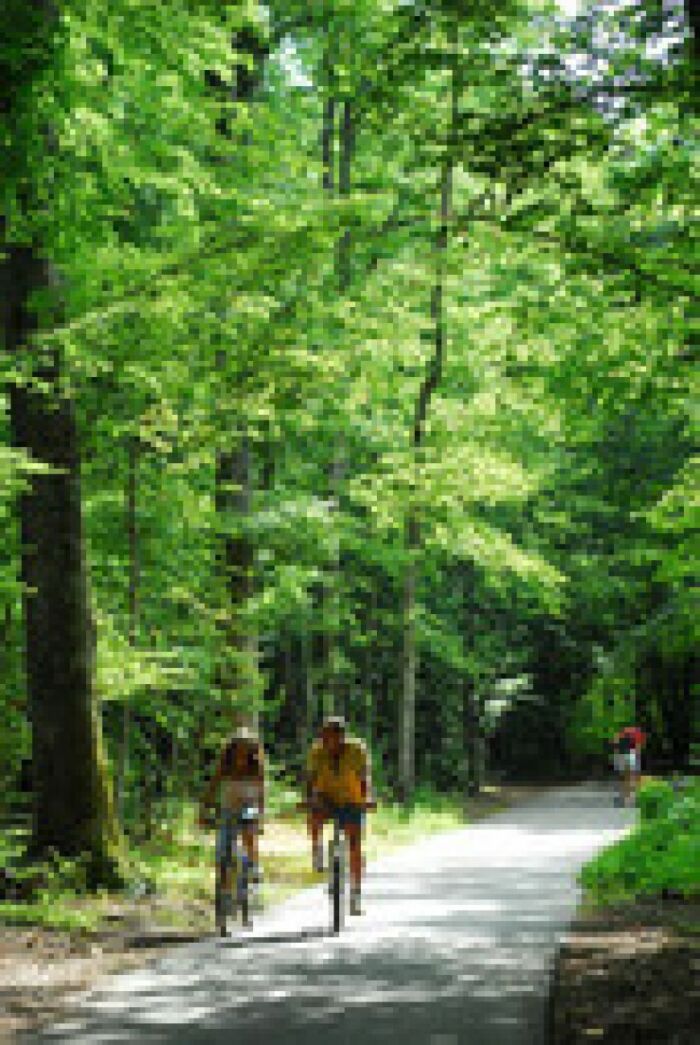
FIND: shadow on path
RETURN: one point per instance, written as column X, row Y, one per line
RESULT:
column 456, row 947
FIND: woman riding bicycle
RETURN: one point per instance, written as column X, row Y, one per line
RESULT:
column 238, row 782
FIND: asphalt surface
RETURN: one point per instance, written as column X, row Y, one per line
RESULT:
column 455, row 947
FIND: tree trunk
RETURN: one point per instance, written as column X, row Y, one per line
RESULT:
column 473, row 739
column 329, row 592
column 233, row 498
column 73, row 808
column 407, row 721
column 133, row 610
column 432, row 379
column 308, row 683
column 234, row 477
column 336, row 690
column 367, row 681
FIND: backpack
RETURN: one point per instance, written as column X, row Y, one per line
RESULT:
column 624, row 744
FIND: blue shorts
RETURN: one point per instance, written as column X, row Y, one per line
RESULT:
column 348, row 815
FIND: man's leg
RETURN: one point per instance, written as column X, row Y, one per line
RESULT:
column 353, row 833
column 636, row 775
column 354, row 836
column 629, row 786
column 316, row 821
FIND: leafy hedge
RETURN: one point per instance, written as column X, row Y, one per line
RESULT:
column 662, row 855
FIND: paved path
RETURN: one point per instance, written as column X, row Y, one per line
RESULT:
column 455, row 948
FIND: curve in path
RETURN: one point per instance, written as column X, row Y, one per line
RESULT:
column 455, row 947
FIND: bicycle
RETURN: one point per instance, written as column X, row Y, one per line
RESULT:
column 237, row 862
column 626, row 780
column 337, row 861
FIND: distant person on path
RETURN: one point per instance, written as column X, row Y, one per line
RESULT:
column 627, row 761
column 338, row 779
column 238, row 781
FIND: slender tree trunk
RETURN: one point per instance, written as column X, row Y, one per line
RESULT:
column 407, row 720
column 234, row 472
column 368, row 672
column 472, row 739
column 345, row 154
column 233, row 499
column 430, row 383
column 335, row 689
column 73, row 808
column 307, row 667
column 329, row 592
column 133, row 610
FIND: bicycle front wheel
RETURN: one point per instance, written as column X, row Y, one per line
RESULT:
column 244, row 895
column 220, row 903
column 336, row 893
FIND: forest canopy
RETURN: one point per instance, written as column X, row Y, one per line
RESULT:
column 347, row 365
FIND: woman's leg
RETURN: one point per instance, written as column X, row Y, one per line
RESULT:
column 250, row 841
column 223, row 854
column 316, row 821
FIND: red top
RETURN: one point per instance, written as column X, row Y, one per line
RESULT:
column 637, row 735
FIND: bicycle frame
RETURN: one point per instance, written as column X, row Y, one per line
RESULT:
column 238, row 862
column 337, row 872
column 337, row 859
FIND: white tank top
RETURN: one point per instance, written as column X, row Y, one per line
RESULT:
column 237, row 793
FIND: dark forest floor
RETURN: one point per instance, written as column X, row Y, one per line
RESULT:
column 630, row 975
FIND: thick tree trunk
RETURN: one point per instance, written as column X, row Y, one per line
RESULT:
column 73, row 809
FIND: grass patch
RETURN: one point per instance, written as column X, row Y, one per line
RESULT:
column 173, row 874
column 59, row 913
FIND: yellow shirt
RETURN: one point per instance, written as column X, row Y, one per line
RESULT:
column 341, row 785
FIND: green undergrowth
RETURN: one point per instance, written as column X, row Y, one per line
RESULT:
column 661, row 856
column 171, row 875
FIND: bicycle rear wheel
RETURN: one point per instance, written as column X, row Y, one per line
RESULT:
column 336, row 892
column 244, row 895
column 220, row 903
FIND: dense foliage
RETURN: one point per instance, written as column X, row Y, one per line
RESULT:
column 661, row 857
column 346, row 294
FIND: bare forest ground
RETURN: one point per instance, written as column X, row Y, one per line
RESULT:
column 629, row 975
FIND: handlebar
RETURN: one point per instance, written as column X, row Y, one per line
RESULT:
column 369, row 805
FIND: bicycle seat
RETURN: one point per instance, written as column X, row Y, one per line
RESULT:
column 249, row 814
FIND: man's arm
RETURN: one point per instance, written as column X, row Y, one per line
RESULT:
column 310, row 775
column 365, row 775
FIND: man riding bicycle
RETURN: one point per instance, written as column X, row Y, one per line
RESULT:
column 338, row 782
column 627, row 752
